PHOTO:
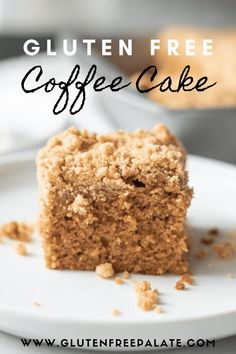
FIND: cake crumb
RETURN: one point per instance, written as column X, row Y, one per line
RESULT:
column 224, row 250
column 105, row 270
column 187, row 278
column 21, row 249
column 207, row 240
column 214, row 231
column 119, row 281
column 229, row 276
column 146, row 296
column 158, row 309
column 180, row 285
column 37, row 304
column 16, row 230
column 116, row 312
column 201, row 254
column 142, row 286
column 126, row 275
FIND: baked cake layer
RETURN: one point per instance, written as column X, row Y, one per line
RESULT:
column 120, row 198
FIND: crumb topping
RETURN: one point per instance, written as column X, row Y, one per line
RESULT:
column 105, row 270
column 104, row 153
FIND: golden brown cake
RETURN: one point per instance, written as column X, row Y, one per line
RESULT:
column 120, row 198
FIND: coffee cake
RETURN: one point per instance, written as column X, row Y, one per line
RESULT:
column 119, row 198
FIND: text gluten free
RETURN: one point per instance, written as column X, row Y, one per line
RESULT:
column 71, row 47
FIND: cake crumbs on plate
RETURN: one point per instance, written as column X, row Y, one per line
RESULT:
column 201, row 254
column 207, row 240
column 225, row 250
column 158, row 309
column 142, row 286
column 126, row 274
column 116, row 312
column 119, row 281
column 105, row 270
column 180, row 285
column 21, row 249
column 213, row 231
column 187, row 278
column 17, row 230
column 37, row 304
column 147, row 298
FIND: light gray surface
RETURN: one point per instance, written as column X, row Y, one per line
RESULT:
column 12, row 345
column 105, row 17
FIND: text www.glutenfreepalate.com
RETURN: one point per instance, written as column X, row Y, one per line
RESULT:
column 118, row 343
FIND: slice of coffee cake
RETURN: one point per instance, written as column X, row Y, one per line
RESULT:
column 120, row 198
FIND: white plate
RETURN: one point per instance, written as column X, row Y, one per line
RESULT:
column 78, row 304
